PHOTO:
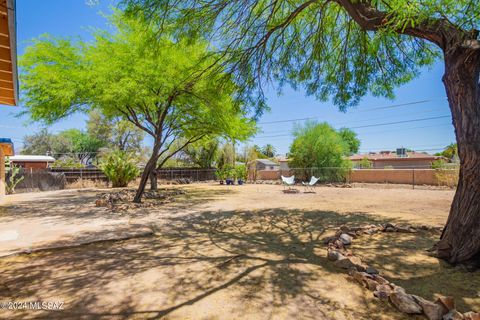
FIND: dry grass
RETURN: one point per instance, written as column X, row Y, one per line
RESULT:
column 247, row 252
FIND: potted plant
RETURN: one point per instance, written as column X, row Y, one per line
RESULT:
column 229, row 174
column 241, row 174
column 221, row 175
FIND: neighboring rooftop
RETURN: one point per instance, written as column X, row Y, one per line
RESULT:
column 267, row 162
column 392, row 155
column 27, row 158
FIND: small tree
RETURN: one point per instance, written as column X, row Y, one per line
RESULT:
column 350, row 137
column 120, row 167
column 319, row 150
column 365, row 163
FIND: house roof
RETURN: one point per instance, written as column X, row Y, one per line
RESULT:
column 8, row 54
column 28, row 158
column 267, row 162
column 393, row 156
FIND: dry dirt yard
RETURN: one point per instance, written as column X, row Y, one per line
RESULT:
column 218, row 252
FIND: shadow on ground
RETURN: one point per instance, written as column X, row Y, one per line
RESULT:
column 214, row 265
column 78, row 206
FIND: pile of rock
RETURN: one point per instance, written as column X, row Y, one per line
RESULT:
column 122, row 199
column 367, row 276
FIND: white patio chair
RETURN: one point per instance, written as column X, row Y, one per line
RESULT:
column 311, row 184
column 288, row 182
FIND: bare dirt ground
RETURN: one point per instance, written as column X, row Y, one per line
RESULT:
column 242, row 252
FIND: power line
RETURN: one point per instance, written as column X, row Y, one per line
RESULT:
column 365, row 110
column 371, row 125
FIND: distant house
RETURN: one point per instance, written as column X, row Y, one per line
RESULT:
column 396, row 159
column 32, row 162
column 283, row 162
column 264, row 164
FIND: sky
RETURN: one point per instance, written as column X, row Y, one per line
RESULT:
column 418, row 118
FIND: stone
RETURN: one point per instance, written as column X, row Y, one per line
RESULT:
column 448, row 302
column 405, row 229
column 372, row 270
column 334, row 255
column 338, row 244
column 471, row 315
column 371, row 284
column 382, row 291
column 405, row 302
column 453, row 315
column 432, row 310
column 329, row 240
column 344, row 229
column 346, row 238
column 101, row 202
column 379, row 279
column 389, row 229
column 350, row 262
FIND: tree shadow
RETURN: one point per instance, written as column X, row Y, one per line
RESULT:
column 225, row 264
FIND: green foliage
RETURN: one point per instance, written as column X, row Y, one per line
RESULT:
column 365, row 163
column 321, row 149
column 43, row 142
column 450, row 151
column 72, row 142
column 350, row 137
column 202, row 153
column 120, row 167
column 67, row 163
column 14, row 177
column 317, row 44
column 269, row 150
column 241, row 172
column 164, row 86
column 116, row 133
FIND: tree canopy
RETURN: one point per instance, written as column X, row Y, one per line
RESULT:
column 334, row 49
column 350, row 137
column 160, row 85
column 316, row 146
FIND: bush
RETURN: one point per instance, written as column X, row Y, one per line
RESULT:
column 446, row 173
column 318, row 149
column 120, row 167
column 241, row 172
column 67, row 163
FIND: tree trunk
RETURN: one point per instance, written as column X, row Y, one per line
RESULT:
column 149, row 167
column 460, row 241
column 153, row 180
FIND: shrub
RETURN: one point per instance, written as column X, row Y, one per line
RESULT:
column 241, row 172
column 446, row 173
column 120, row 167
column 67, row 163
column 14, row 178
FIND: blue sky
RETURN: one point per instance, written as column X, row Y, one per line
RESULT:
column 374, row 127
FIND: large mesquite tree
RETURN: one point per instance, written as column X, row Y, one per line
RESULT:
column 344, row 49
column 161, row 86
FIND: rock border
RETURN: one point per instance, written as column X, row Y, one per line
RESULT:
column 367, row 276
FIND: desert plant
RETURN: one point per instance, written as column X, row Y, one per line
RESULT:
column 14, row 177
column 120, row 167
